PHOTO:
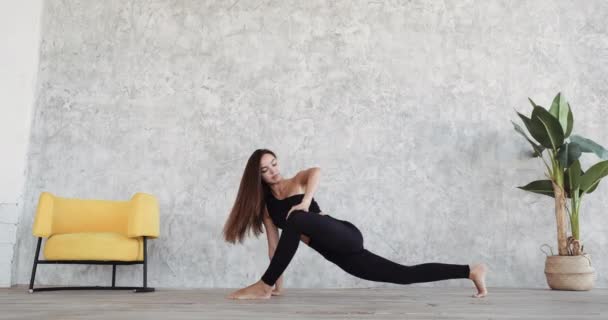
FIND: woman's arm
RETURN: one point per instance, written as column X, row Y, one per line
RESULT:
column 309, row 180
column 272, row 233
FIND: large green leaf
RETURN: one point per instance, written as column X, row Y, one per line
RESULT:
column 588, row 145
column 553, row 130
column 538, row 149
column 540, row 186
column 560, row 109
column 574, row 176
column 568, row 153
column 567, row 182
column 537, row 130
column 592, row 177
column 570, row 121
column 593, row 187
column 532, row 103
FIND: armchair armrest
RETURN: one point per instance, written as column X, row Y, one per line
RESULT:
column 143, row 216
column 43, row 221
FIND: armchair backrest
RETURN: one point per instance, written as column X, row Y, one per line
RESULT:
column 136, row 217
column 77, row 215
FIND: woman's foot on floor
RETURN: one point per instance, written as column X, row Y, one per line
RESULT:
column 258, row 290
column 478, row 275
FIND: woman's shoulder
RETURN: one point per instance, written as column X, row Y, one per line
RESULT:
column 293, row 188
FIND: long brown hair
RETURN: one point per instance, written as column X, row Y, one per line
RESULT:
column 248, row 209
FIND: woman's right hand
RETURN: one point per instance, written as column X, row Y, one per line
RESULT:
column 305, row 238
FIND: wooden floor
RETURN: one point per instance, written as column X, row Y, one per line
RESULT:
column 361, row 303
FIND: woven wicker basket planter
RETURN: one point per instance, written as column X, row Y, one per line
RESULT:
column 570, row 272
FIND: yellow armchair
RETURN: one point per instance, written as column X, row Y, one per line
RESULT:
column 83, row 231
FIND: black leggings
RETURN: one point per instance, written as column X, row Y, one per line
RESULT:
column 340, row 242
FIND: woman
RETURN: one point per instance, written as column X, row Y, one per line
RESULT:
column 264, row 197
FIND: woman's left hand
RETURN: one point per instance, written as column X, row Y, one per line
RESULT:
column 302, row 206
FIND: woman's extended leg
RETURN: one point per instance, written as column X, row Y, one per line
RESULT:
column 367, row 265
column 334, row 236
column 370, row 266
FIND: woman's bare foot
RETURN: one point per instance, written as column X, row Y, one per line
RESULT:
column 478, row 275
column 258, row 290
column 276, row 292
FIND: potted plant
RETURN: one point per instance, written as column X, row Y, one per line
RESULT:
column 559, row 151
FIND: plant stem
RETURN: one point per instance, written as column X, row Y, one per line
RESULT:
column 576, row 203
column 560, row 206
column 568, row 210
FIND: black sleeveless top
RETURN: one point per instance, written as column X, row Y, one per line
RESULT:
column 277, row 209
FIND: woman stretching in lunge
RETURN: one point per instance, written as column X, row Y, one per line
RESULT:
column 264, row 197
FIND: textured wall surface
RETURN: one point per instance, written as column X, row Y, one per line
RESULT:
column 405, row 105
column 20, row 32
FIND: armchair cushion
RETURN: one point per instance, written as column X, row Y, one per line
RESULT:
column 102, row 246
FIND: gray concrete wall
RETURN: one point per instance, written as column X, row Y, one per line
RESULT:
column 405, row 105
column 19, row 48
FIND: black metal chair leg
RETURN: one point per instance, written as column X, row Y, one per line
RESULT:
column 145, row 262
column 35, row 265
column 145, row 287
column 113, row 275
